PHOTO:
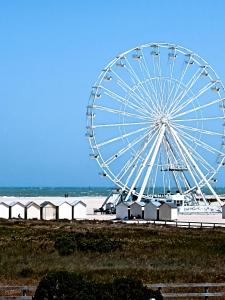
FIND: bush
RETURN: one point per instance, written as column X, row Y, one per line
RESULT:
column 71, row 286
column 66, row 245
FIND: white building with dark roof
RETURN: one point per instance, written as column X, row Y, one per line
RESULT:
column 168, row 211
column 151, row 211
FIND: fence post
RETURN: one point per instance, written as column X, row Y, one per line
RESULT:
column 206, row 291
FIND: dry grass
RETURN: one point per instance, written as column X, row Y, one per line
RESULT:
column 151, row 253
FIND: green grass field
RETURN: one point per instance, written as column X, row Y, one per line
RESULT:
column 151, row 253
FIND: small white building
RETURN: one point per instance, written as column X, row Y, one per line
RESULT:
column 168, row 211
column 79, row 210
column 4, row 210
column 223, row 211
column 33, row 211
column 151, row 211
column 17, row 210
column 137, row 210
column 48, row 211
column 123, row 210
column 65, row 211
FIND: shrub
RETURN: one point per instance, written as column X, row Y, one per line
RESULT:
column 71, row 286
column 67, row 244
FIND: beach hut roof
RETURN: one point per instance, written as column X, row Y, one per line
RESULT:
column 78, row 201
column 32, row 204
column 3, row 203
column 156, row 203
column 170, row 204
column 46, row 203
column 16, row 202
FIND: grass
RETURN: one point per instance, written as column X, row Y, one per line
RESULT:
column 150, row 253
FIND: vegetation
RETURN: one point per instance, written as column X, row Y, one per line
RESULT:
column 102, row 251
column 71, row 286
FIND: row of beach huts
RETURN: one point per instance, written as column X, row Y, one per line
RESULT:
column 43, row 210
column 153, row 210
column 61, row 208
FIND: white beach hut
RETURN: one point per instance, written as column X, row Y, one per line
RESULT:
column 223, row 211
column 33, row 211
column 79, row 210
column 137, row 210
column 168, row 211
column 123, row 210
column 151, row 211
column 4, row 210
column 17, row 210
column 65, row 210
column 48, row 211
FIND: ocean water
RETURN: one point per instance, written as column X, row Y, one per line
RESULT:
column 71, row 191
column 54, row 191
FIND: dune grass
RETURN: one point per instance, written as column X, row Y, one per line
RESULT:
column 148, row 252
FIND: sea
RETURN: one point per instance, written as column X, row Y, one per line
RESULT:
column 70, row 191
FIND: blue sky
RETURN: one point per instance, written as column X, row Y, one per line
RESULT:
column 51, row 52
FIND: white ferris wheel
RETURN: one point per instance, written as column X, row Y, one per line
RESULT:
column 155, row 121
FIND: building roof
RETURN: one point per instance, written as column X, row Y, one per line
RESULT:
column 46, row 203
column 170, row 204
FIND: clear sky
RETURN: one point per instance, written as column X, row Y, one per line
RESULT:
column 51, row 52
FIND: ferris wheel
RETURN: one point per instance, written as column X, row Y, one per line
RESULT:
column 155, row 121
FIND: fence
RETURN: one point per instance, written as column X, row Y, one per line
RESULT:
column 168, row 291
column 190, row 290
column 184, row 224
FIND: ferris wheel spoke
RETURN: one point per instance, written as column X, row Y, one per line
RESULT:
column 157, row 72
column 208, row 132
column 136, row 80
column 204, row 163
column 200, row 107
column 134, row 161
column 119, row 112
column 137, row 98
column 149, row 87
column 124, row 101
column 184, row 71
column 121, row 137
column 127, row 147
column 121, row 124
column 184, row 92
column 143, row 62
column 200, row 119
column 200, row 143
column 196, row 96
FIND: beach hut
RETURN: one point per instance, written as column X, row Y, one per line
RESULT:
column 137, row 210
column 151, row 211
column 33, row 211
column 168, row 211
column 65, row 211
column 4, row 210
column 79, row 210
column 223, row 211
column 49, row 211
column 123, row 210
column 17, row 210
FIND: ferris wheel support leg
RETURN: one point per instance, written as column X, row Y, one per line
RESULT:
column 197, row 168
column 140, row 171
column 173, row 133
column 148, row 173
